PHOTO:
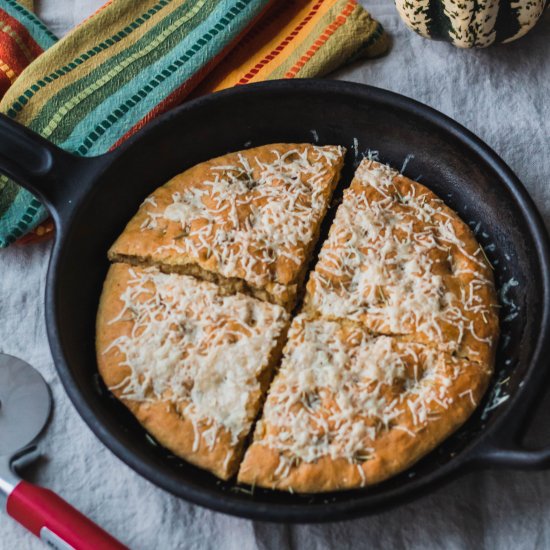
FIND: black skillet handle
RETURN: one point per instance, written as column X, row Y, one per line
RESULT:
column 35, row 163
column 505, row 448
column 513, row 457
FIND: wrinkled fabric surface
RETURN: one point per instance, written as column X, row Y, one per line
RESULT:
column 501, row 94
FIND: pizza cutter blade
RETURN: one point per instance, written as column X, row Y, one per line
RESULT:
column 25, row 406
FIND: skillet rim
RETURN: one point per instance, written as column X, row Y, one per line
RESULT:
column 355, row 506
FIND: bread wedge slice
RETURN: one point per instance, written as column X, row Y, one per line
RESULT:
column 247, row 221
column 191, row 363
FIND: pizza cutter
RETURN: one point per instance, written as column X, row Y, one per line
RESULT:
column 25, row 405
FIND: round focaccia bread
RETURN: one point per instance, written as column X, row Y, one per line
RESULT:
column 400, row 262
column 392, row 352
column 247, row 220
column 191, row 363
column 349, row 409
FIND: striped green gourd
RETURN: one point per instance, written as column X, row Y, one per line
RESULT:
column 471, row 23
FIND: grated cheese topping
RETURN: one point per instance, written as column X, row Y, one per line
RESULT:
column 340, row 388
column 396, row 260
column 255, row 217
column 196, row 349
column 400, row 292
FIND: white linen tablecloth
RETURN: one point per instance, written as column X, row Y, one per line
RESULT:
column 503, row 95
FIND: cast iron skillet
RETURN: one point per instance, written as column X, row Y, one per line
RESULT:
column 92, row 199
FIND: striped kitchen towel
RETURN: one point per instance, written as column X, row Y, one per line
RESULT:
column 133, row 60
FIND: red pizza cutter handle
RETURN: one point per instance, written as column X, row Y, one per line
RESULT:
column 55, row 521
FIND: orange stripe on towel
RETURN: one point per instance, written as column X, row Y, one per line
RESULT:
column 281, row 47
column 327, row 33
